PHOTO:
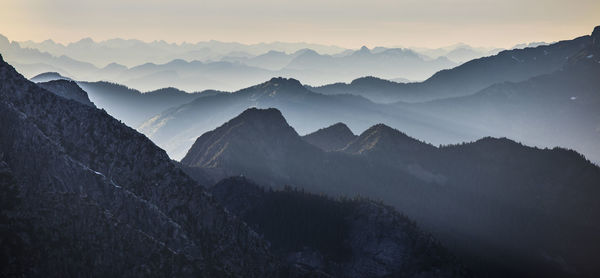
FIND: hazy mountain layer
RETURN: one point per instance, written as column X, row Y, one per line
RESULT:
column 557, row 109
column 488, row 200
column 175, row 129
column 227, row 71
column 509, row 65
column 135, row 52
column 134, row 107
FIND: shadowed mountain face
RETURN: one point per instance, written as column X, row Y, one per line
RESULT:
column 342, row 238
column 482, row 199
column 97, row 198
column 468, row 78
column 331, row 138
column 67, row 89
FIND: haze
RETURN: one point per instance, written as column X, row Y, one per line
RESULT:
column 432, row 23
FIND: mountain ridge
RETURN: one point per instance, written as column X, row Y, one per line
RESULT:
column 459, row 192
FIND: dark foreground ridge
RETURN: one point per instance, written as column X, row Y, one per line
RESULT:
column 90, row 196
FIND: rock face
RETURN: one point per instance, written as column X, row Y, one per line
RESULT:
column 481, row 199
column 341, row 238
column 331, row 138
column 96, row 198
column 67, row 89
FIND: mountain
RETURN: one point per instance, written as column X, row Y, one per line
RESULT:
column 556, row 109
column 277, row 148
column 175, row 129
column 384, row 139
column 132, row 106
column 341, row 238
column 33, row 61
column 212, row 65
column 509, row 65
column 316, row 69
column 272, row 60
column 486, row 200
column 67, row 89
column 94, row 197
column 459, row 52
column 375, row 89
column 48, row 76
column 332, row 138
column 131, row 52
column 523, row 110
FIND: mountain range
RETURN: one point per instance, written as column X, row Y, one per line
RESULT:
column 466, row 79
column 486, row 200
column 115, row 162
column 554, row 93
column 197, row 67
column 83, row 194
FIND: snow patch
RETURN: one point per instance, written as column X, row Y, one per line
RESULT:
column 590, row 56
column 573, row 98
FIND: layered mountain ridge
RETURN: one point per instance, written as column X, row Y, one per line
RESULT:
column 459, row 192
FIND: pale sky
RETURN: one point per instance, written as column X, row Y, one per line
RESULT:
column 347, row 23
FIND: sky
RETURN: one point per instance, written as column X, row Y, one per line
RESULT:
column 346, row 23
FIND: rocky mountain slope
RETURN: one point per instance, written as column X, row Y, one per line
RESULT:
column 97, row 198
column 484, row 198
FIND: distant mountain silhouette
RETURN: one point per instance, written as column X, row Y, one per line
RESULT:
column 459, row 52
column 341, row 238
column 131, row 52
column 67, row 89
column 48, row 76
column 314, row 68
column 220, row 66
column 373, row 88
column 332, row 138
column 84, row 195
column 509, row 65
column 486, row 200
